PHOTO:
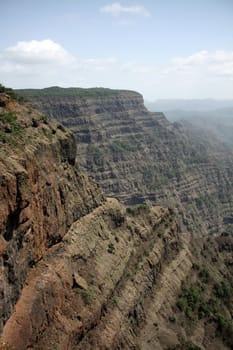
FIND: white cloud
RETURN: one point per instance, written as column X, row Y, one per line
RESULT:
column 37, row 52
column 116, row 9
column 46, row 63
column 203, row 62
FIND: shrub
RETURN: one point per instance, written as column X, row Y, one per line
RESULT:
column 11, row 93
column 88, row 295
column 204, row 275
column 9, row 128
column 111, row 248
column 172, row 319
column 223, row 291
column 189, row 300
column 188, row 345
column 137, row 209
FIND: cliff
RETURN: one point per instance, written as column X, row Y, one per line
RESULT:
column 138, row 156
column 42, row 192
column 79, row 271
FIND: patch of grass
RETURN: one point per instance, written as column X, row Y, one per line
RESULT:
column 10, row 128
column 137, row 209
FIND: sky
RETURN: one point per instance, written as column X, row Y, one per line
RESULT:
column 161, row 48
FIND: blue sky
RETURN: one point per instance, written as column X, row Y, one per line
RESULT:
column 164, row 49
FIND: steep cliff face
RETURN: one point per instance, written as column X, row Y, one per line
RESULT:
column 138, row 156
column 42, row 192
column 82, row 272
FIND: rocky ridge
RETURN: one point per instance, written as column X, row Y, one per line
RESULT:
column 42, row 192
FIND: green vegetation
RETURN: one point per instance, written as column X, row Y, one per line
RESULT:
column 115, row 301
column 88, row 295
column 76, row 92
column 11, row 93
column 194, row 160
column 189, row 345
column 48, row 133
column 10, row 128
column 118, row 146
column 196, row 305
column 189, row 300
column 111, row 248
column 223, row 291
column 204, row 275
column 137, row 209
column 172, row 319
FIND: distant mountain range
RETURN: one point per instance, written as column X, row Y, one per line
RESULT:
column 212, row 116
column 197, row 105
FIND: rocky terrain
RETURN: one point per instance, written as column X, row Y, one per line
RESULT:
column 138, row 156
column 42, row 193
column 79, row 271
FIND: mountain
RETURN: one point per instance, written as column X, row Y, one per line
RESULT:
column 213, row 116
column 193, row 105
column 138, row 156
column 82, row 271
column 218, row 123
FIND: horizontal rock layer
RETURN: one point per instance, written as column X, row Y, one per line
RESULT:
column 82, row 272
column 138, row 156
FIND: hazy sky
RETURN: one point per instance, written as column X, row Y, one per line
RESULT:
column 161, row 48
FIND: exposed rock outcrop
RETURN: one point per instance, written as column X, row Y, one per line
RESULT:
column 42, row 192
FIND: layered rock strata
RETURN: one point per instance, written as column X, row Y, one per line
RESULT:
column 138, row 156
column 42, row 192
column 82, row 272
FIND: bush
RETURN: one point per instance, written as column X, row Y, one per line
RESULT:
column 111, row 248
column 11, row 93
column 189, row 300
column 188, row 345
column 88, row 295
column 223, row 291
column 204, row 275
column 9, row 128
column 137, row 209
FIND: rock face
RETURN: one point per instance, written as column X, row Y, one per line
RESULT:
column 42, row 192
column 138, row 156
column 79, row 271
